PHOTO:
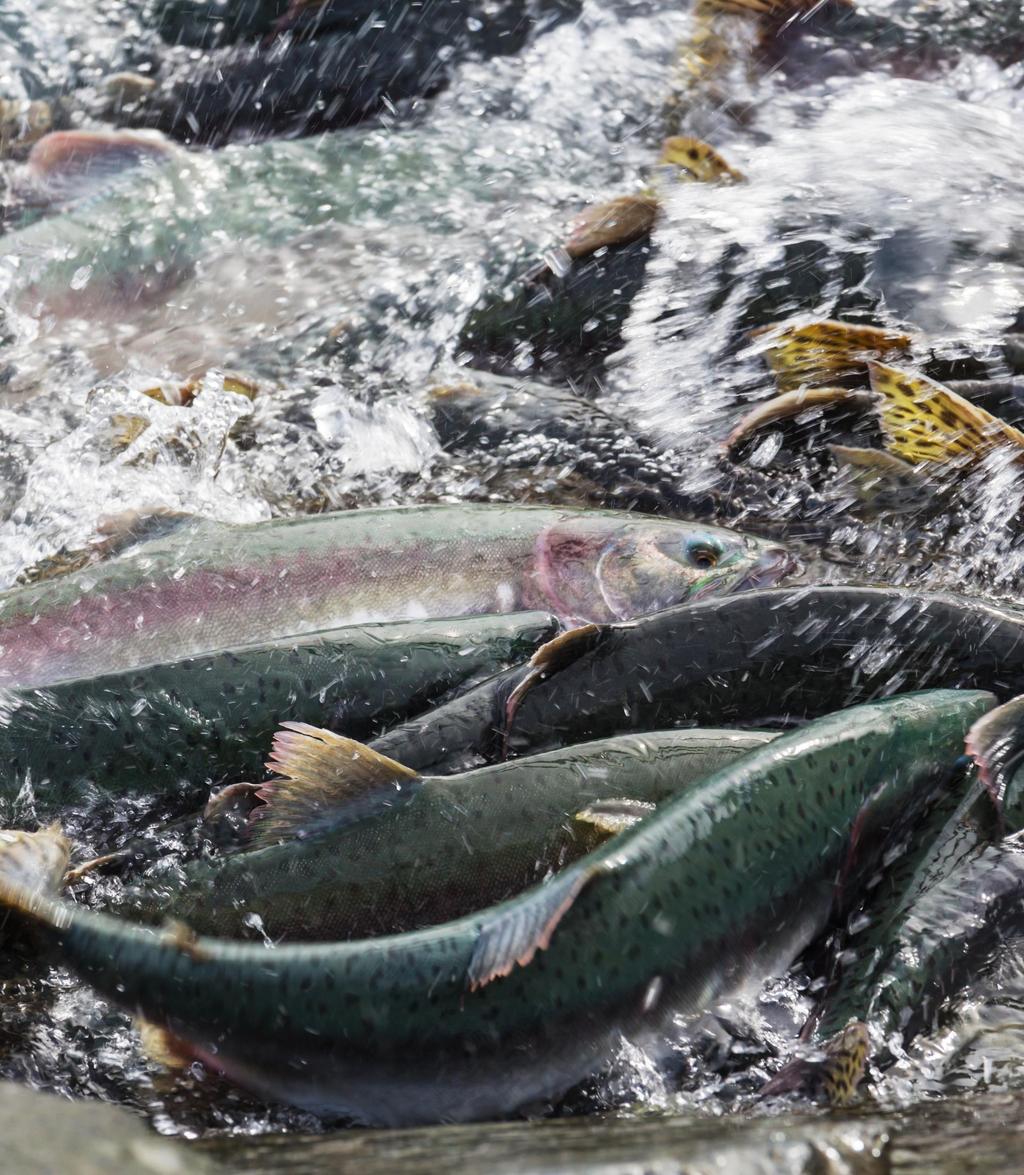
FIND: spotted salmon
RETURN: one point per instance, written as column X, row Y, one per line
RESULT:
column 210, row 586
column 513, row 1004
column 761, row 659
column 173, row 730
column 352, row 844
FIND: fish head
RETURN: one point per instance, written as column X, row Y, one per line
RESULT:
column 648, row 565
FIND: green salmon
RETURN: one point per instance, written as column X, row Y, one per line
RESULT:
column 176, row 729
column 756, row 659
column 516, row 1003
column 210, row 586
column 943, row 908
column 353, row 845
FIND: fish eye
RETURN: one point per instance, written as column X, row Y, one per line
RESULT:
column 702, row 554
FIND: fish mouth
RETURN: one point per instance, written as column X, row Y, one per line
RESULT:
column 775, row 565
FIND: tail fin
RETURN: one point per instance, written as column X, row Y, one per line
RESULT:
column 699, row 160
column 923, row 421
column 996, row 743
column 32, row 869
column 831, row 1074
column 819, row 354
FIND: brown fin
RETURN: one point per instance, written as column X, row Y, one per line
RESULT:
column 613, row 223
column 996, row 744
column 819, row 354
column 699, row 160
column 790, row 404
column 924, row 421
column 321, row 774
column 34, row 861
column 552, row 656
column 524, row 927
column 161, row 1046
column 601, row 821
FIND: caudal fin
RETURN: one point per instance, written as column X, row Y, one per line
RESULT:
column 924, row 421
column 822, row 354
column 32, row 870
column 831, row 1074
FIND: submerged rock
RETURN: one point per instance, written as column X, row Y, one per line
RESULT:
column 44, row 1133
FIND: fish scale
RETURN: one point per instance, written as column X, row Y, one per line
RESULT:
column 181, row 726
column 518, row 1002
column 212, row 586
column 432, row 851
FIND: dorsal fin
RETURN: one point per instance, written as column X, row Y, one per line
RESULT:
column 552, row 656
column 323, row 777
column 923, row 421
column 819, row 354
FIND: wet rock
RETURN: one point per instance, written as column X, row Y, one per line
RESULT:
column 344, row 65
column 563, row 325
column 43, row 1133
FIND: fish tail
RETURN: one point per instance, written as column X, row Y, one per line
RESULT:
column 832, row 1074
column 924, row 421
column 819, row 354
column 698, row 160
column 32, row 870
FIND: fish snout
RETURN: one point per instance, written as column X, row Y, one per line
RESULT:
column 773, row 566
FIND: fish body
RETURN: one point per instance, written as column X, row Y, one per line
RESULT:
column 434, row 849
column 177, row 728
column 515, row 1003
column 947, row 904
column 210, row 586
column 761, row 659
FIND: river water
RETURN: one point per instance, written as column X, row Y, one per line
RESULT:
column 338, row 273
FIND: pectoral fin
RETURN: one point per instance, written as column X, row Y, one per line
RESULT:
column 524, row 927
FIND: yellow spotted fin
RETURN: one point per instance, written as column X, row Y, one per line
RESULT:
column 924, row 421
column 697, row 160
column 823, row 353
column 846, row 1058
column 831, row 1074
